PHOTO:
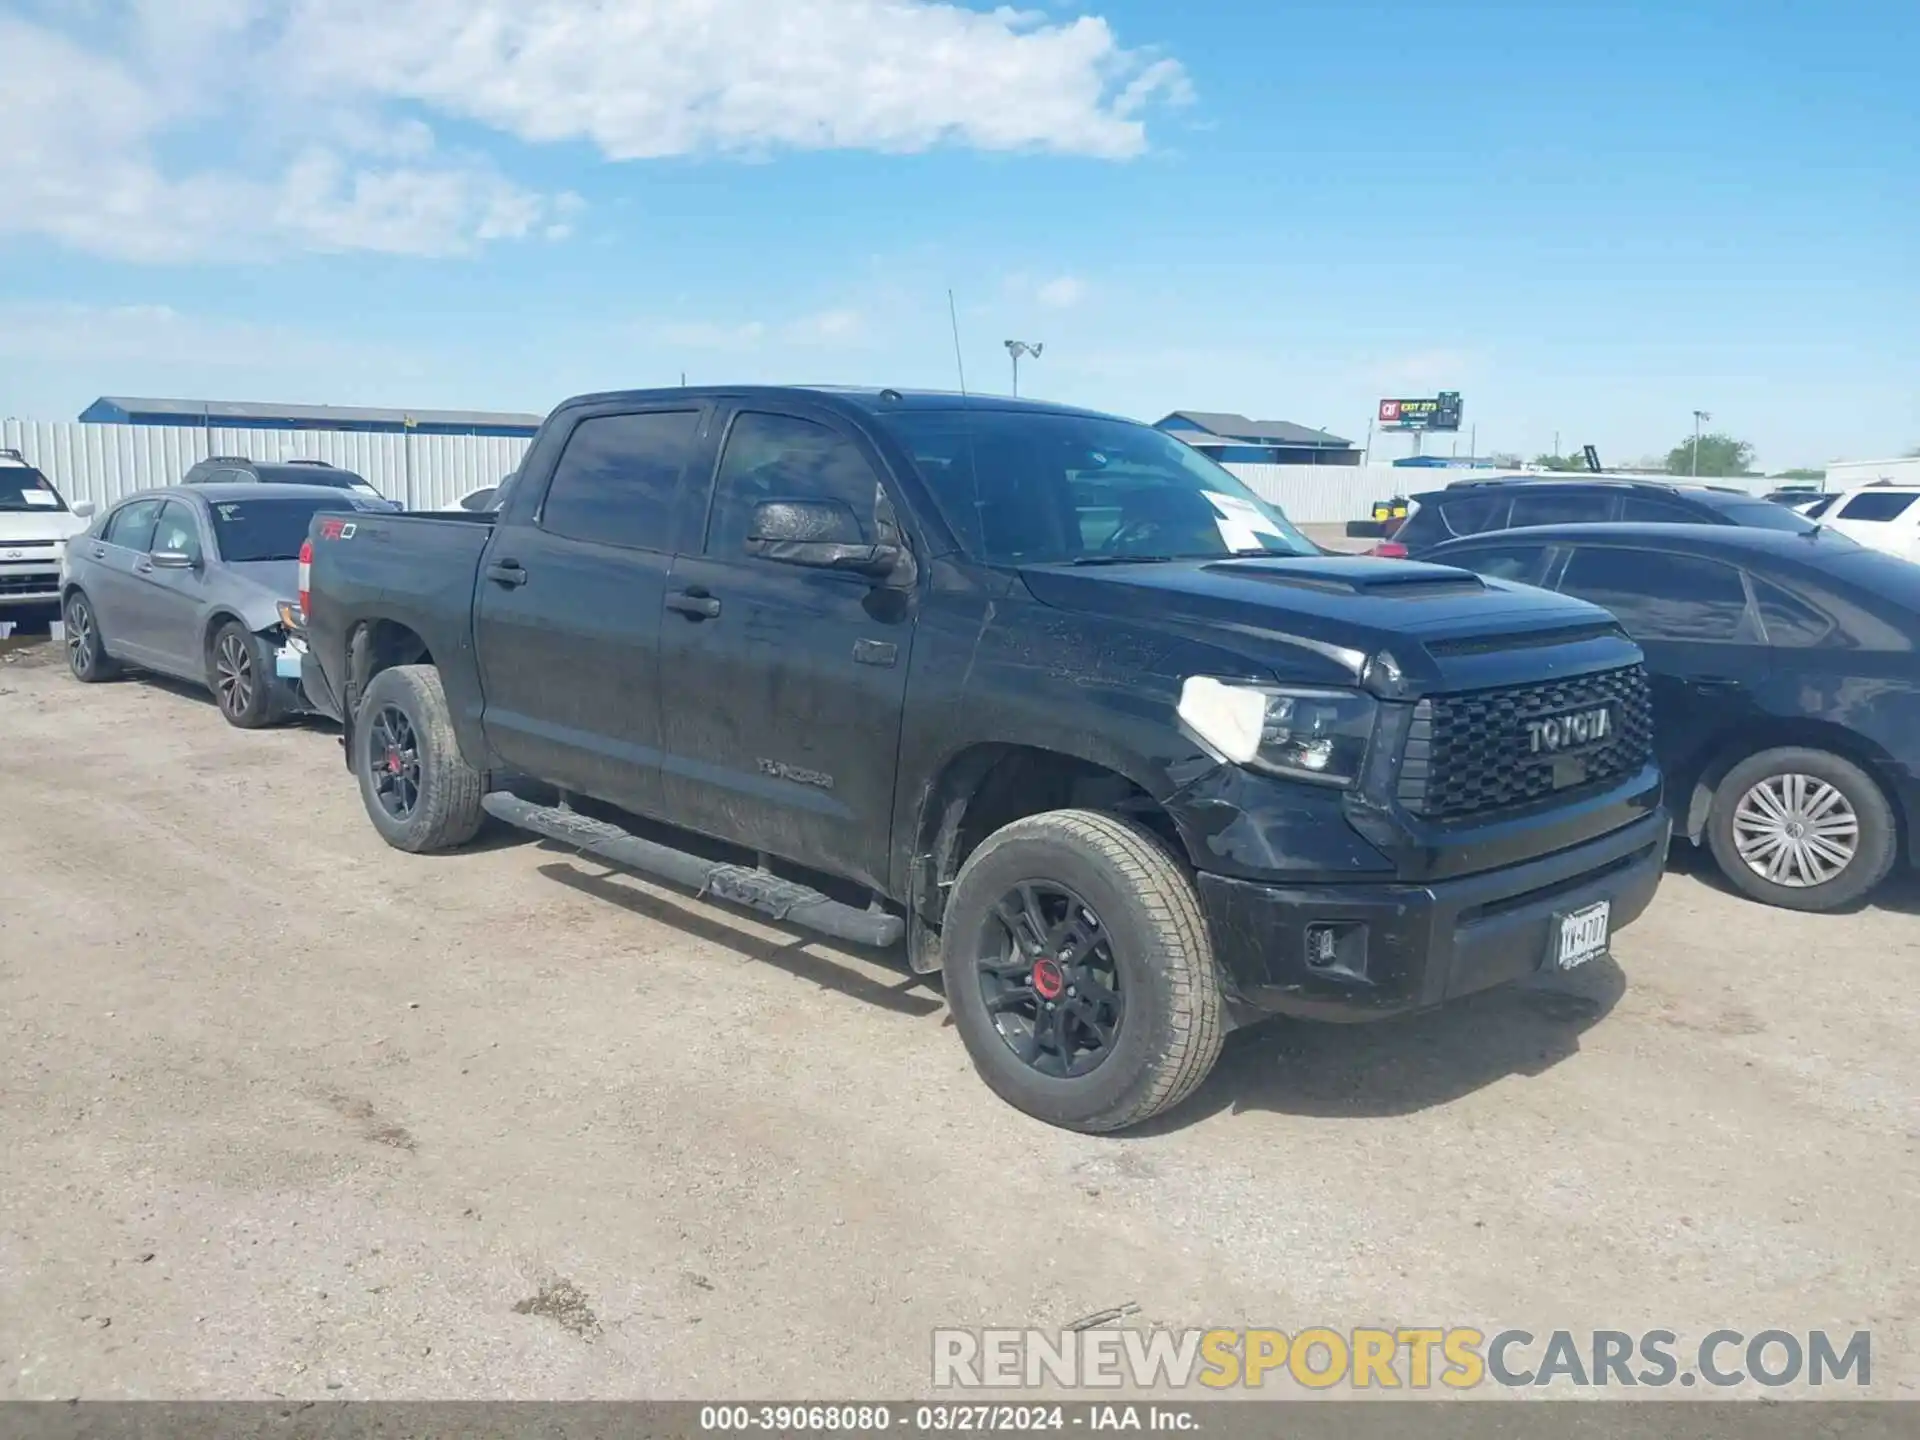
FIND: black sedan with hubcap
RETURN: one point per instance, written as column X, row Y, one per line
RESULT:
column 1786, row 688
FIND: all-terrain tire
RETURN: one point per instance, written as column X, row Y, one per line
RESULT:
column 1174, row 1021
column 1875, row 838
column 445, row 810
column 87, row 658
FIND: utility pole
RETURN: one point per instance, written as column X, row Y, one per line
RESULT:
column 1698, row 416
column 1017, row 348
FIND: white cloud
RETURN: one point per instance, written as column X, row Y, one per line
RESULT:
column 1062, row 293
column 80, row 131
column 649, row 78
column 309, row 119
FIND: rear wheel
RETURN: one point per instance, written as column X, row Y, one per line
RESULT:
column 419, row 790
column 87, row 657
column 1080, row 973
column 1802, row 829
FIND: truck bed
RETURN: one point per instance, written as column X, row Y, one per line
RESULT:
column 412, row 569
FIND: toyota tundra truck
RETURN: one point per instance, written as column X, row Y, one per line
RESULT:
column 1043, row 698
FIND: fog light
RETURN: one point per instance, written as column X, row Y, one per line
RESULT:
column 1336, row 948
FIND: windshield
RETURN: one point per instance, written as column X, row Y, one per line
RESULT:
column 24, row 488
column 245, row 530
column 1765, row 515
column 1029, row 488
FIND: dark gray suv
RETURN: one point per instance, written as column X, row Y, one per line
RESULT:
column 238, row 470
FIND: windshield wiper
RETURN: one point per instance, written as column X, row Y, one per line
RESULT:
column 1121, row 559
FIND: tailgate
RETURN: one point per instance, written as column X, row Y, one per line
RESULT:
column 411, row 574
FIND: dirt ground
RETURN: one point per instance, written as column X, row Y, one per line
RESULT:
column 285, row 1112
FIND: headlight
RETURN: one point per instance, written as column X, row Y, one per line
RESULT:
column 1304, row 734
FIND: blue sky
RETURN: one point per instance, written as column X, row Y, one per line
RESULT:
column 1589, row 218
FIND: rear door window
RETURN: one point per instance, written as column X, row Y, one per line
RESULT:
column 1560, row 508
column 619, row 478
column 1659, row 595
column 1789, row 621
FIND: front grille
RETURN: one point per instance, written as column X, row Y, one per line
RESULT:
column 43, row 583
column 27, row 544
column 1474, row 753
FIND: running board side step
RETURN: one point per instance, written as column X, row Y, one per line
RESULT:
column 760, row 890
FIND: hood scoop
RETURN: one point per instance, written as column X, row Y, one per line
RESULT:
column 1356, row 575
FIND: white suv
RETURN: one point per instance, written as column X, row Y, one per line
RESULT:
column 35, row 525
column 1887, row 517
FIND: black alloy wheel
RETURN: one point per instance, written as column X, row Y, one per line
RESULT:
column 1051, row 981
column 393, row 756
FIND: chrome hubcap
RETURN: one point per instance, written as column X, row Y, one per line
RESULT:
column 233, row 675
column 1796, row 830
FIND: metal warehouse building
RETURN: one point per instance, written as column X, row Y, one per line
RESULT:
column 240, row 415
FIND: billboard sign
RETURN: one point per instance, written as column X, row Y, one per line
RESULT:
column 1440, row 412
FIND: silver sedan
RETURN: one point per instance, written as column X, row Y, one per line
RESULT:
column 201, row 583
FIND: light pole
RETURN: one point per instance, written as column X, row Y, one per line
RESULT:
column 1698, row 417
column 1017, row 348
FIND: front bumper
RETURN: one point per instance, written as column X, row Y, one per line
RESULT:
column 1420, row 945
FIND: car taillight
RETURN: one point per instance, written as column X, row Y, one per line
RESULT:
column 1389, row 550
column 306, row 574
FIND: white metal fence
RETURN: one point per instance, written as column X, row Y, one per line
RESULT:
column 101, row 463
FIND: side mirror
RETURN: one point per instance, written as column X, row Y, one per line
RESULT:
column 819, row 534
column 84, row 509
column 172, row 560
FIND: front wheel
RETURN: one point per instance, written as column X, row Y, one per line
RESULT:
column 1802, row 829
column 1080, row 973
column 419, row 790
column 242, row 677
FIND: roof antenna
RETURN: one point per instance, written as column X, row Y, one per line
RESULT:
column 953, row 319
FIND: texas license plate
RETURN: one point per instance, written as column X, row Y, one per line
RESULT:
column 1583, row 935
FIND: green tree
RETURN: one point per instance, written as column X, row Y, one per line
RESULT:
column 1719, row 455
column 1561, row 462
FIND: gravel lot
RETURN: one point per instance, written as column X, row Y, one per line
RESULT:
column 287, row 1112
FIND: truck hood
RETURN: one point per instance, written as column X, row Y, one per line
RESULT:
column 38, row 525
column 1428, row 619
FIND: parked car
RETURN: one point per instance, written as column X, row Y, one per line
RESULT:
column 1794, row 497
column 1881, row 515
column 237, row 470
column 1475, row 507
column 1786, row 688
column 35, row 525
column 1047, row 695
column 487, row 497
column 199, row 582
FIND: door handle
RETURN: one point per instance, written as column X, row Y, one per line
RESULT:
column 143, row 567
column 507, row 572
column 99, row 552
column 694, row 604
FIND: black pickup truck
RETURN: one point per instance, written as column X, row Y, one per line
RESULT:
column 1045, row 695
